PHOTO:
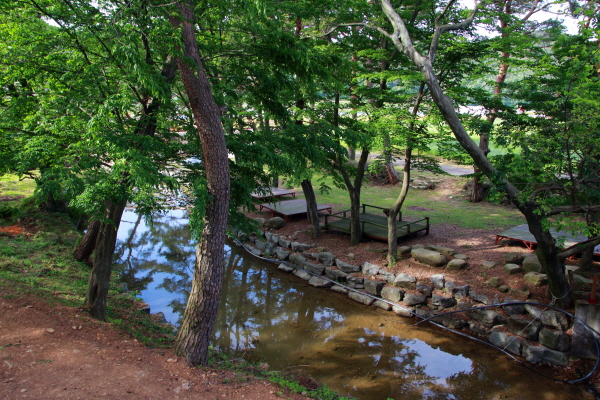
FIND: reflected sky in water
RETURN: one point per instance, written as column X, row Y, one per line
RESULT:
column 277, row 318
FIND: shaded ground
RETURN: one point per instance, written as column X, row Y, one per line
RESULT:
column 53, row 351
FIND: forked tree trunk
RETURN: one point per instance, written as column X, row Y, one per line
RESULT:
column 194, row 335
column 86, row 246
column 311, row 207
column 105, row 247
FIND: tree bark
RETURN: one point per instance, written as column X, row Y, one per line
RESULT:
column 86, row 246
column 99, row 280
column 311, row 207
column 194, row 335
column 547, row 251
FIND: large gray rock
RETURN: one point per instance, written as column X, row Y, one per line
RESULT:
column 347, row 268
column 369, row 269
column 443, row 301
column 285, row 268
column 413, row 299
column 536, row 279
column 339, row 289
column 533, row 353
column 297, row 260
column 282, row 254
column 438, row 281
column 456, row 264
column 513, row 344
column 314, row 268
column 524, row 327
column 336, row 274
column 460, row 292
column 361, row 298
column 488, row 317
column 555, row 339
column 373, row 287
column 446, row 251
column 406, row 281
column 320, row 282
column 300, row 247
column 302, row 274
column 275, row 223
column 327, row 258
column 392, row 294
column 428, row 257
column 531, row 263
column 512, row 269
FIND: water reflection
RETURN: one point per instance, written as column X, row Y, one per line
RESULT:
column 276, row 317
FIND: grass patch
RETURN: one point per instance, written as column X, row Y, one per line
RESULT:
column 443, row 210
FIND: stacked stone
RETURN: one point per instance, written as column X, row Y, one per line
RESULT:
column 538, row 336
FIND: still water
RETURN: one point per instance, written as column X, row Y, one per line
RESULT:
column 275, row 317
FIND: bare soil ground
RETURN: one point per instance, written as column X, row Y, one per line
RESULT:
column 52, row 351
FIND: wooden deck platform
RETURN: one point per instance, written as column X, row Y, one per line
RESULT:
column 273, row 192
column 521, row 233
column 375, row 225
column 287, row 208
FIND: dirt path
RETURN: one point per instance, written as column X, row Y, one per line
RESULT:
column 53, row 351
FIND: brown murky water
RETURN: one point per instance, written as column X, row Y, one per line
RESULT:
column 359, row 351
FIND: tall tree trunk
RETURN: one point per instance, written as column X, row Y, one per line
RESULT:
column 193, row 337
column 86, row 246
column 311, row 207
column 99, row 280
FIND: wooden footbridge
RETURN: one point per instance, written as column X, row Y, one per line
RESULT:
column 375, row 225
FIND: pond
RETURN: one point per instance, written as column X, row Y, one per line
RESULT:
column 275, row 317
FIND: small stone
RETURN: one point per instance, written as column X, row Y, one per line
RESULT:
column 536, row 279
column 456, row 264
column 488, row 264
column 493, row 281
column 512, row 269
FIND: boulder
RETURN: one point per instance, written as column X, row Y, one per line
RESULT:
column 300, row 247
column 446, row 251
column 369, row 269
column 275, row 223
column 284, row 243
column 339, row 289
column 361, row 298
column 373, row 287
column 282, row 254
column 302, row 274
column 536, row 279
column 406, row 281
column 413, row 299
column 317, row 269
column 347, row 268
column 456, row 264
column 524, row 327
column 438, row 281
column 531, row 263
column 320, row 282
column 512, row 269
column 555, row 339
column 327, row 258
column 488, row 264
column 512, row 258
column 285, row 268
column 297, row 260
column 443, row 301
column 392, row 294
column 382, row 304
column 428, row 257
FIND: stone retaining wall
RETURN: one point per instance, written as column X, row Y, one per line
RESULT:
column 523, row 330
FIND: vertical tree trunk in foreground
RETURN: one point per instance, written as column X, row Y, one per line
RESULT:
column 86, row 246
column 105, row 247
column 200, row 314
